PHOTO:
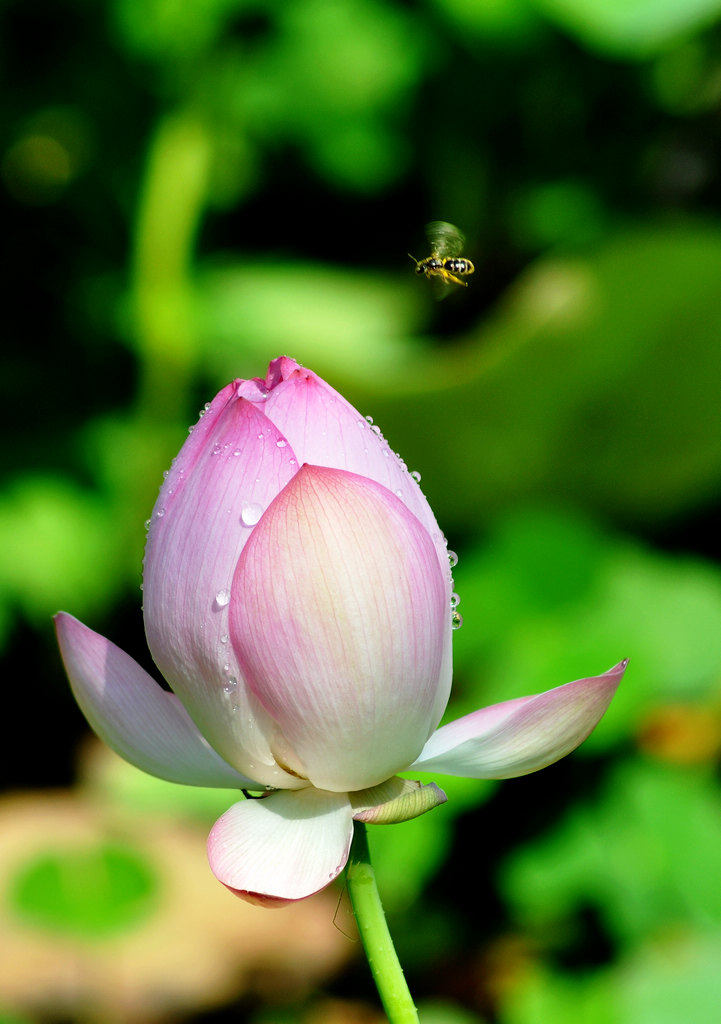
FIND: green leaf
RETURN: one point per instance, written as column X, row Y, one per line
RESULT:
column 642, row 854
column 630, row 28
column 595, row 382
column 548, row 598
column 89, row 892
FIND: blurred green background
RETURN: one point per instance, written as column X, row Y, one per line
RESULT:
column 190, row 188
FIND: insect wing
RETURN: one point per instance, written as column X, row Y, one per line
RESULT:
column 445, row 239
column 441, row 287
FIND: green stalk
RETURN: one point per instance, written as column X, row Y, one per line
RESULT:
column 172, row 203
column 377, row 942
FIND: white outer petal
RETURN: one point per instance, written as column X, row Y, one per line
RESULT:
column 285, row 846
column 137, row 719
column 520, row 736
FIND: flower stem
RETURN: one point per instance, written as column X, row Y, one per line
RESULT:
column 380, row 951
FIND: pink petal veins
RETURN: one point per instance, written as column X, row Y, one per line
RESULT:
column 342, row 626
column 210, row 503
column 325, row 430
column 137, row 719
column 283, row 847
column 520, row 736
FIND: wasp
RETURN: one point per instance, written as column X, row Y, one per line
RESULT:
column 445, row 265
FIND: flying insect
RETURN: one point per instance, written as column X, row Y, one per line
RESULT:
column 445, row 265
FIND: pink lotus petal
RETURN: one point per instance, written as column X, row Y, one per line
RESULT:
column 343, row 628
column 217, row 489
column 325, row 430
column 285, row 846
column 520, row 736
column 134, row 716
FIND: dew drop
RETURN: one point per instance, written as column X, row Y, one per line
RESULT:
column 281, row 443
column 456, row 620
column 230, row 686
column 250, row 513
column 216, row 450
column 376, row 429
column 369, row 419
column 224, row 638
column 160, row 513
column 236, row 452
column 416, row 475
column 452, row 559
column 222, row 598
column 455, row 600
column 147, row 524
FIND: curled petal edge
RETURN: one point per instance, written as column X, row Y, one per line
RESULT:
column 517, row 737
column 134, row 716
column 396, row 800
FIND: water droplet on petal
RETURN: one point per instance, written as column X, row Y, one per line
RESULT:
column 416, row 475
column 456, row 620
column 222, row 598
column 281, row 443
column 455, row 600
column 453, row 559
column 160, row 513
column 230, row 686
column 250, row 513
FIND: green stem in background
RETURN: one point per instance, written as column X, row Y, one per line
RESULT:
column 172, row 203
column 377, row 942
